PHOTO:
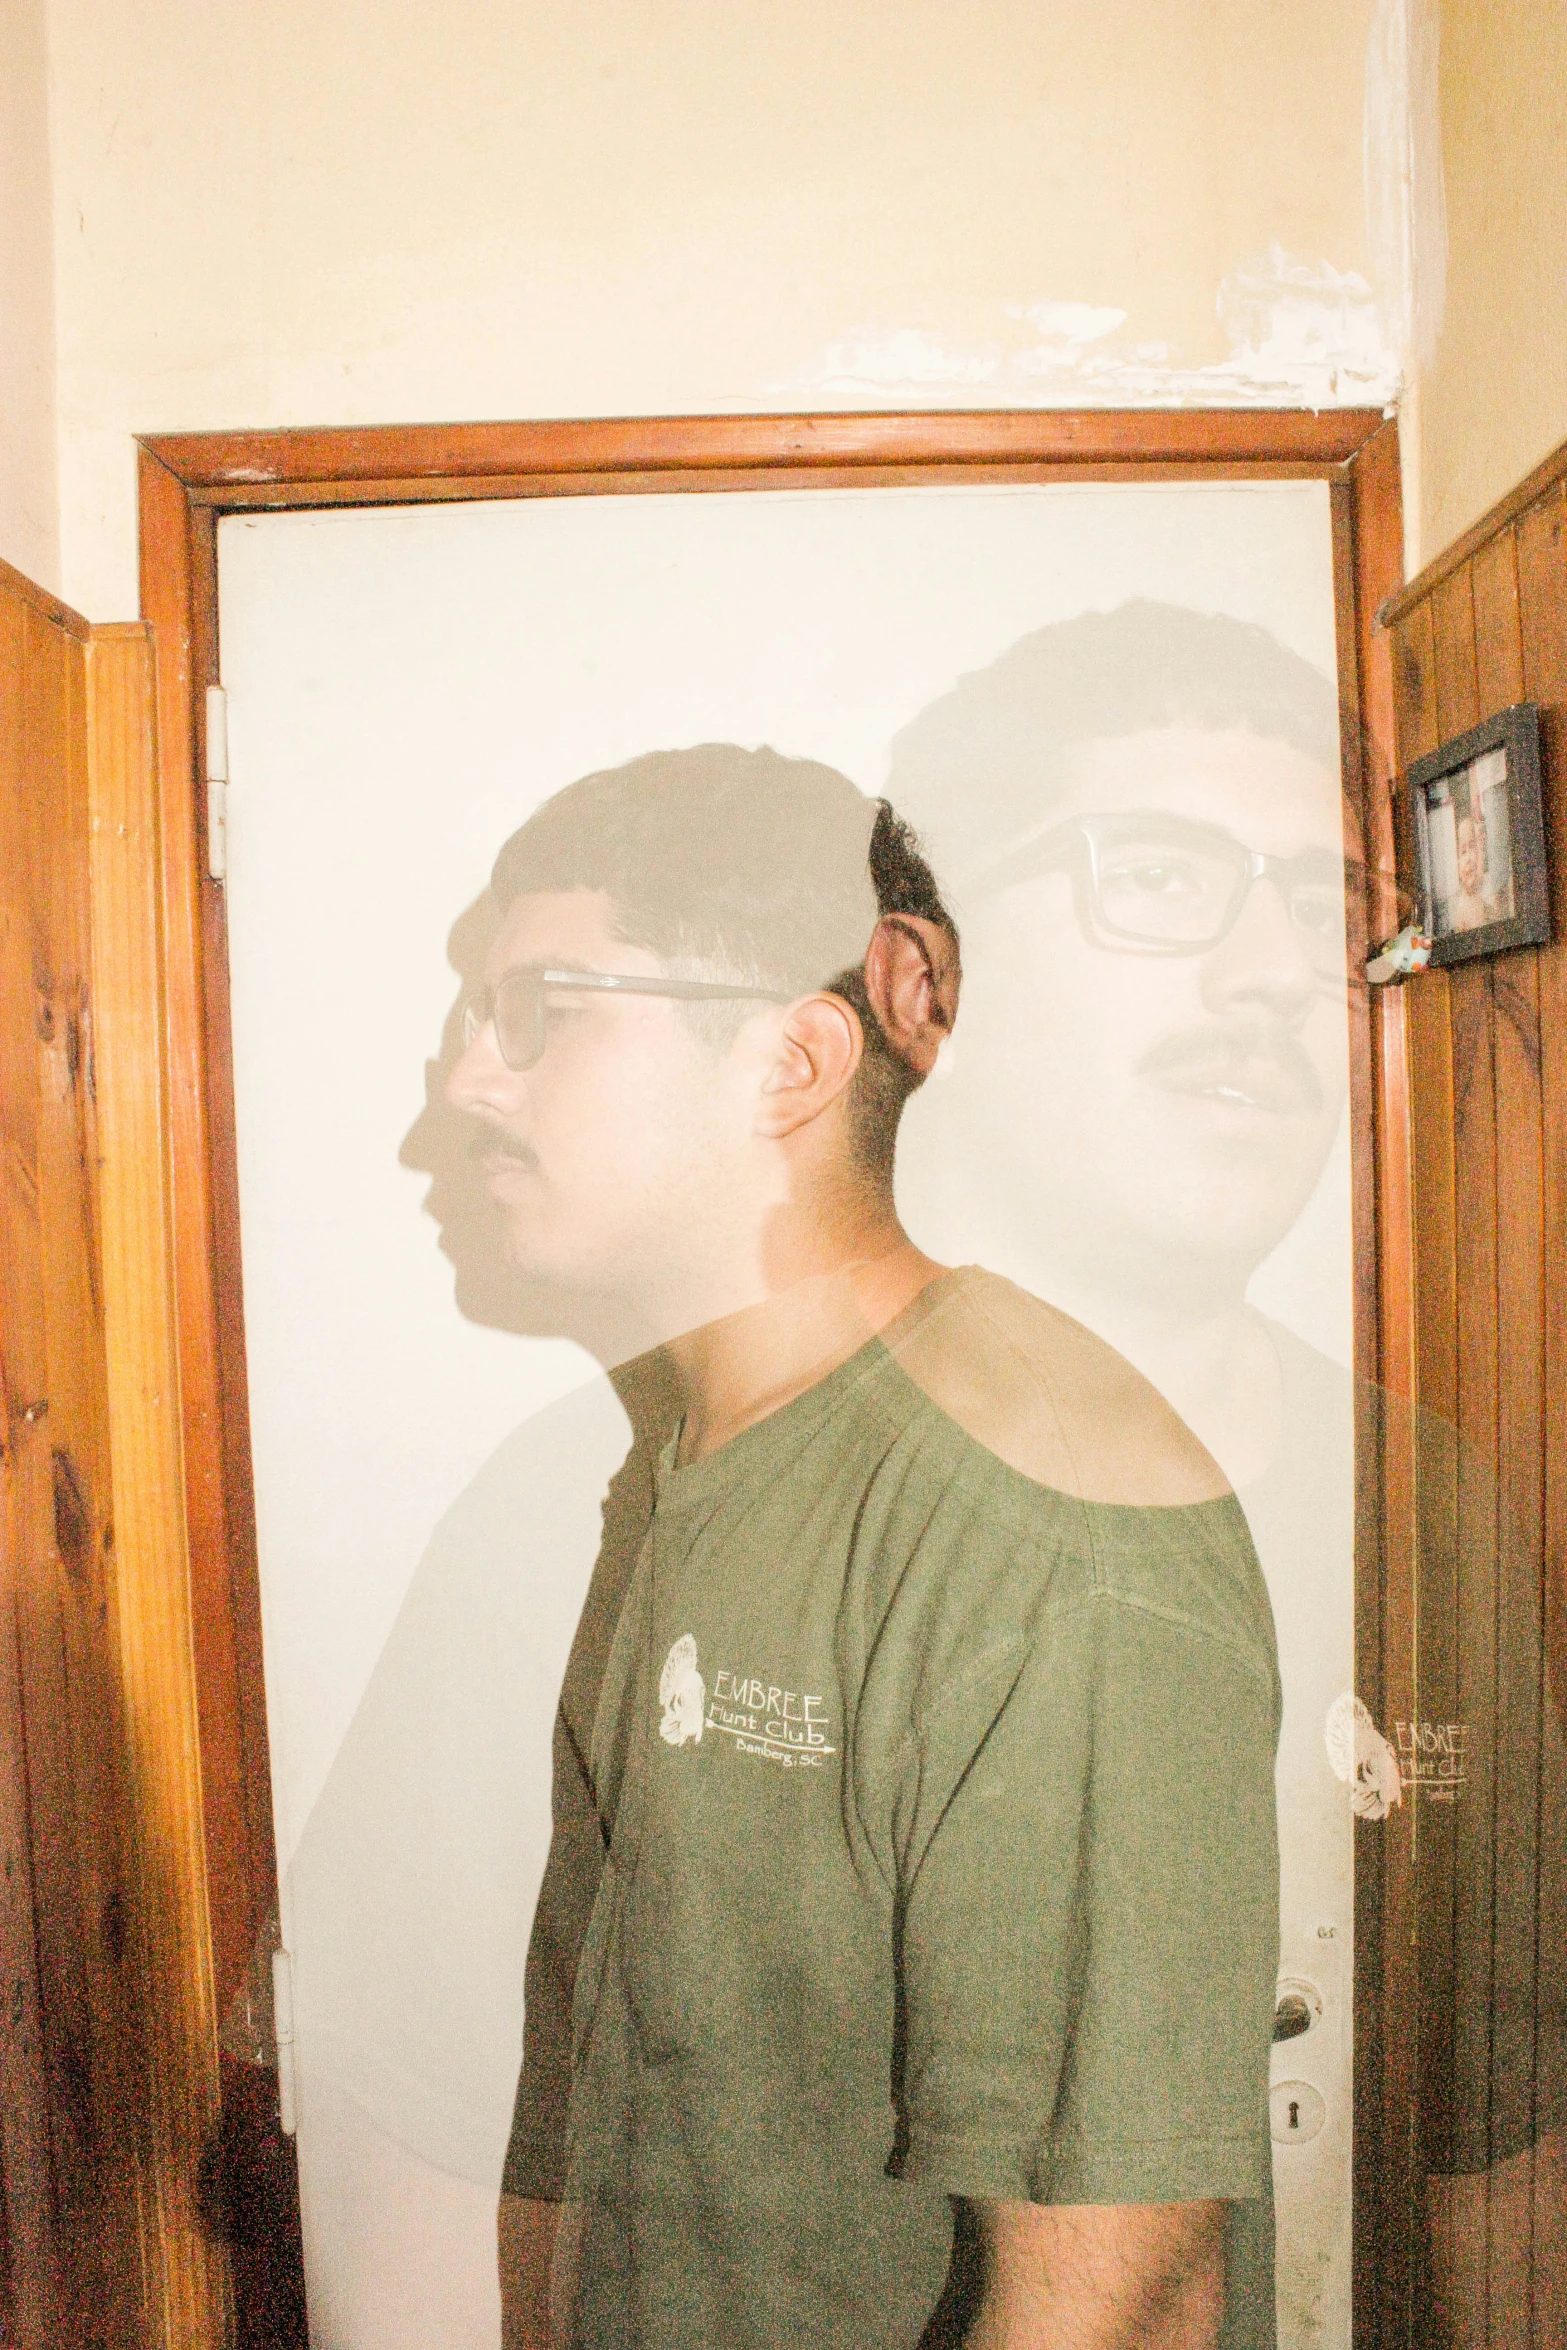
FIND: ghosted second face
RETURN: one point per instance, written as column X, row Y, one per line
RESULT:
column 1154, row 1047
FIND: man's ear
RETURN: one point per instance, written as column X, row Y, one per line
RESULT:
column 912, row 976
column 819, row 1047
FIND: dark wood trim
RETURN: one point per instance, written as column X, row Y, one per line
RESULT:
column 179, row 598
column 425, row 460
column 188, row 481
column 1501, row 517
column 1368, row 538
column 412, row 490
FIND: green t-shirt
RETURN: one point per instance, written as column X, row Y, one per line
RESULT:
column 941, row 1862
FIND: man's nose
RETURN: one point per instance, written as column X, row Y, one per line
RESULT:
column 480, row 1080
column 1262, row 963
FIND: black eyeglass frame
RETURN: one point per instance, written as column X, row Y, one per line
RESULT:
column 1079, row 841
column 479, row 1010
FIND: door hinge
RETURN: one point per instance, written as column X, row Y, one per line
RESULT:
column 217, row 782
column 283, row 2034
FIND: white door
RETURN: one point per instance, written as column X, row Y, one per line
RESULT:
column 404, row 687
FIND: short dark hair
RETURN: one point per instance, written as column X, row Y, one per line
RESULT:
column 904, row 884
column 747, row 865
column 990, row 754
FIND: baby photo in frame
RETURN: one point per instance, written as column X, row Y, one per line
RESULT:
column 1479, row 839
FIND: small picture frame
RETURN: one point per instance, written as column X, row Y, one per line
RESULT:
column 1479, row 839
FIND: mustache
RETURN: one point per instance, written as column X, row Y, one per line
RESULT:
column 1256, row 1059
column 497, row 1142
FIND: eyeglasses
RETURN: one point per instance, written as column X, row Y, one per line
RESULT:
column 516, row 1003
column 1165, row 885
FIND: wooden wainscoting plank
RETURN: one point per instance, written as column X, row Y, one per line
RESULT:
column 1541, row 535
column 1431, row 1508
column 46, row 1698
column 1453, row 631
column 1518, row 1747
column 102, row 2243
column 61, row 1519
column 36, row 2314
column 1498, row 636
column 1414, row 686
column 1475, row 1691
column 1458, row 1597
column 1542, row 579
column 186, row 2274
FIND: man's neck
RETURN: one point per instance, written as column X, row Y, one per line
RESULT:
column 741, row 1367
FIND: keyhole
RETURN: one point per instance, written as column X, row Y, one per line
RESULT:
column 1294, row 2113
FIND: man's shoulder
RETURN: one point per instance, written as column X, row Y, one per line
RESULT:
column 1052, row 1525
column 1055, row 1403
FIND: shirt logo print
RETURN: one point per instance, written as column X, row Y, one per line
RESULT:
column 682, row 1693
column 1362, row 1758
column 785, row 1726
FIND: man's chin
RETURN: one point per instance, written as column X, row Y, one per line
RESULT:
column 1218, row 1237
column 531, row 1265
column 562, row 1289
column 539, row 1303
column 1167, row 1215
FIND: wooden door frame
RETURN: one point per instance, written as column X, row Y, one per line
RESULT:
column 189, row 481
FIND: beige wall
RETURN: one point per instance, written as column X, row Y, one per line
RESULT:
column 288, row 215
column 1493, row 400
column 29, row 512
column 386, row 211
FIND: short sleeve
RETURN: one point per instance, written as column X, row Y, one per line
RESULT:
column 1091, row 1918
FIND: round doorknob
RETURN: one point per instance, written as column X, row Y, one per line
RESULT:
column 1299, row 2007
column 1291, row 2017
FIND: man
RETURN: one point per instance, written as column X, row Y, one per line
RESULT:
column 918, row 1780
column 1142, row 813
column 1150, row 858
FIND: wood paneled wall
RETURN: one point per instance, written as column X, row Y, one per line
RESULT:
column 68, row 2165
column 1487, row 1077
column 107, row 2063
